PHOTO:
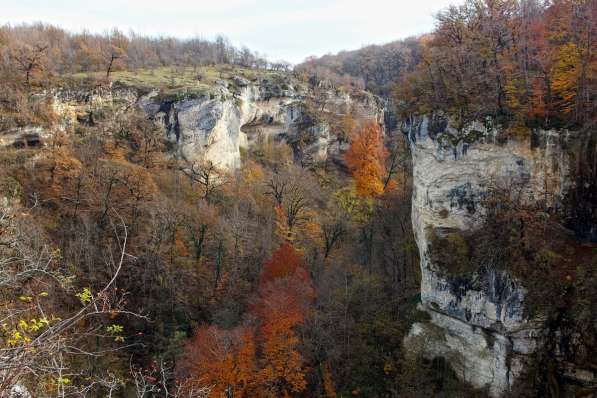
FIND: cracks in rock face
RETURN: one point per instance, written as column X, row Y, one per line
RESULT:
column 508, row 357
column 411, row 127
column 438, row 123
column 167, row 108
column 485, row 291
column 466, row 284
column 176, row 127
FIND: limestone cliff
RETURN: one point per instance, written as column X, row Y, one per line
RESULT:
column 478, row 320
column 213, row 125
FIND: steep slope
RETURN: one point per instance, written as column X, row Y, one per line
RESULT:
column 95, row 150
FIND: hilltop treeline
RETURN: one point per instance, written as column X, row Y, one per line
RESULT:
column 528, row 63
column 127, row 271
column 43, row 51
column 375, row 67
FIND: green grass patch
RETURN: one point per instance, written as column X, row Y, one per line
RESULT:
column 170, row 79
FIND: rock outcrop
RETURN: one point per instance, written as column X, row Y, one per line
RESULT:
column 478, row 320
column 215, row 126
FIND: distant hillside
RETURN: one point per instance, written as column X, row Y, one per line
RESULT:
column 375, row 67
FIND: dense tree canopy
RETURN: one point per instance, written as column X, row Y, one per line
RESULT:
column 375, row 68
column 524, row 62
column 125, row 269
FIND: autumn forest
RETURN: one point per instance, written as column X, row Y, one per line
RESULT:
column 186, row 218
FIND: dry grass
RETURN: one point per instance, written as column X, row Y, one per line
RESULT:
column 176, row 78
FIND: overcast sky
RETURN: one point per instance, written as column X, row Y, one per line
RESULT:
column 281, row 29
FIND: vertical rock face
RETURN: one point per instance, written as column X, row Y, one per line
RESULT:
column 69, row 106
column 207, row 130
column 214, row 127
column 477, row 319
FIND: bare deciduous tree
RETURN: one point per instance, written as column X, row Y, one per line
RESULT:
column 157, row 380
column 30, row 58
column 207, row 175
column 36, row 344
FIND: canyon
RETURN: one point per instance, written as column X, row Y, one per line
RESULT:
column 477, row 321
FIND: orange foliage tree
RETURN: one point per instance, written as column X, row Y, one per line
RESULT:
column 529, row 62
column 284, row 262
column 221, row 359
column 365, row 159
column 261, row 359
column 284, row 295
column 281, row 308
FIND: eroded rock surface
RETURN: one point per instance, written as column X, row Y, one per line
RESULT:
column 215, row 124
column 214, row 127
column 478, row 320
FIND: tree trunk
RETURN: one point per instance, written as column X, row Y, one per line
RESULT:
column 112, row 58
